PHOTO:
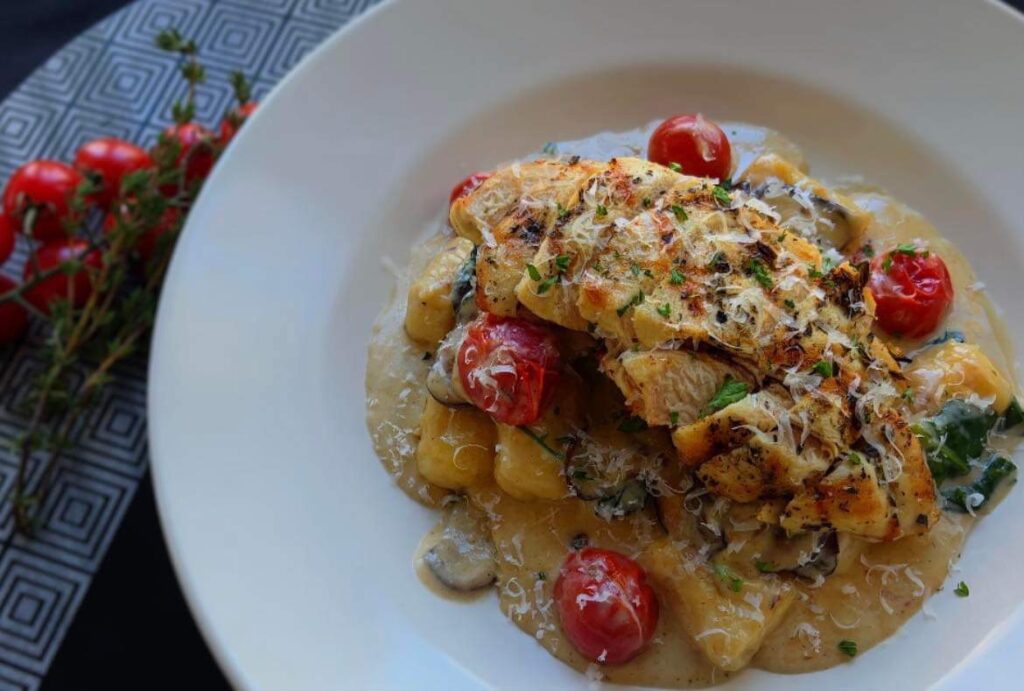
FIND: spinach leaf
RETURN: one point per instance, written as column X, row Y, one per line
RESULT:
column 955, row 436
column 997, row 469
column 1013, row 416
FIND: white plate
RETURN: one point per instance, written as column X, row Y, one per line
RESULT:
column 291, row 543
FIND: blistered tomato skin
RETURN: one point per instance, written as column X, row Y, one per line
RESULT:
column 694, row 143
column 7, row 238
column 467, row 185
column 912, row 291
column 607, row 610
column 508, row 367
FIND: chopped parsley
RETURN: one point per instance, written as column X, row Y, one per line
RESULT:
column 541, row 441
column 726, row 184
column 868, row 250
column 673, row 417
column 760, row 273
column 632, row 424
column 602, row 210
column 823, row 367
column 676, row 278
column 635, row 300
column 679, row 212
column 908, row 394
column 562, row 262
column 848, row 648
column 664, row 309
column 646, row 202
column 789, row 303
column 730, row 392
column 886, row 264
column 906, row 248
column 634, row 269
column 729, row 577
column 534, row 273
column 562, row 211
column 721, row 195
column 813, row 272
column 545, row 285
column 765, row 566
column 854, row 458
column 676, row 167
column 962, row 590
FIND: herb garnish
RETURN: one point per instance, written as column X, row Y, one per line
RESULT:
column 962, row 590
column 633, row 301
column 847, row 647
column 673, row 418
column 680, row 212
column 541, row 441
column 760, row 272
column 731, row 391
column 765, row 566
column 676, row 167
column 823, row 367
column 602, row 210
column 721, row 195
column 664, row 309
column 676, row 278
column 729, row 577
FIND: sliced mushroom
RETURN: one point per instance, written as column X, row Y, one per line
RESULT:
column 442, row 382
column 808, row 555
column 463, row 558
column 464, row 290
column 629, row 498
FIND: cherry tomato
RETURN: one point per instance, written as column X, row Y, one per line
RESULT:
column 6, row 237
column 147, row 242
column 696, row 144
column 111, row 159
column 13, row 317
column 608, row 611
column 467, row 185
column 46, row 185
column 912, row 291
column 55, row 287
column 234, row 120
column 508, row 367
column 195, row 153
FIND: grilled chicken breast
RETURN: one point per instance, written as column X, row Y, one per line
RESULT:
column 689, row 285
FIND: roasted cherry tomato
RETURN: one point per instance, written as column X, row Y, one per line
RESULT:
column 195, row 152
column 696, row 144
column 508, row 367
column 47, row 186
column 147, row 242
column 6, row 237
column 13, row 317
column 55, row 287
column 467, row 185
column 110, row 159
column 912, row 291
column 608, row 611
column 234, row 120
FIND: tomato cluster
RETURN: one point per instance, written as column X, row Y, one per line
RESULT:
column 38, row 203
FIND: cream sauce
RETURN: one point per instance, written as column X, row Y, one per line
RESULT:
column 866, row 601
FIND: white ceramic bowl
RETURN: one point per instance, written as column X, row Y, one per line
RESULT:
column 293, row 547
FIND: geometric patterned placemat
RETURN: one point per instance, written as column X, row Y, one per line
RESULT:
column 112, row 80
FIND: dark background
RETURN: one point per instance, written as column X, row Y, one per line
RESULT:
column 134, row 630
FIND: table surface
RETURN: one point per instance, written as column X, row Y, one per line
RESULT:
column 133, row 629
